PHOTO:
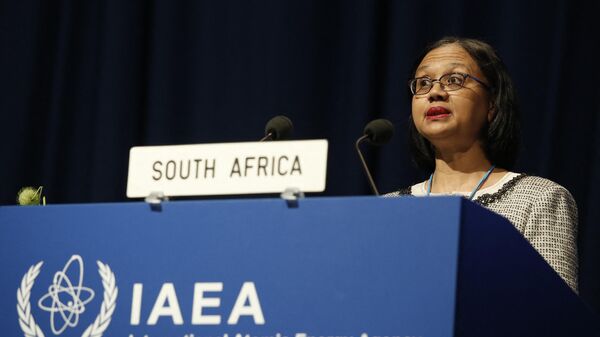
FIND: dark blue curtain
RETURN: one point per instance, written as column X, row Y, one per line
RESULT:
column 83, row 81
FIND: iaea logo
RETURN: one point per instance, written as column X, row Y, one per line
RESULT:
column 66, row 299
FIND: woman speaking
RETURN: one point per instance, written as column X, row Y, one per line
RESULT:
column 464, row 129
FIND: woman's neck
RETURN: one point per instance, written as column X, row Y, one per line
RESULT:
column 461, row 170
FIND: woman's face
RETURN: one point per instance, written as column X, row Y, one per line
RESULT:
column 454, row 118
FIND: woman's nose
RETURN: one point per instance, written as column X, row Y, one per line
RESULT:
column 437, row 93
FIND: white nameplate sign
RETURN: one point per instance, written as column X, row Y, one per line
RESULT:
column 227, row 168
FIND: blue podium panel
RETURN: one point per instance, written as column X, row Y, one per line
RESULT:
column 505, row 288
column 330, row 267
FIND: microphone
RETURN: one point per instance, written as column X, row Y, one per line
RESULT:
column 377, row 132
column 278, row 128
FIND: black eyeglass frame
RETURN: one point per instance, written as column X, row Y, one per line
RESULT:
column 443, row 85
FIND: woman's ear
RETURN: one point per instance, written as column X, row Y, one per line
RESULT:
column 491, row 112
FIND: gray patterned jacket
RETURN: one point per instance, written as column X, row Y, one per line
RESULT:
column 544, row 212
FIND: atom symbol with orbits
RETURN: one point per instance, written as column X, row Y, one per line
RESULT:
column 66, row 298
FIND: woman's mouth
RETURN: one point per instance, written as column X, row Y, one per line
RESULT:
column 437, row 112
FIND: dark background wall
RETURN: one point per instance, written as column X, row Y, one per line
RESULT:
column 83, row 81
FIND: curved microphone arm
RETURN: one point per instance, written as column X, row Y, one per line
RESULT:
column 268, row 136
column 364, row 164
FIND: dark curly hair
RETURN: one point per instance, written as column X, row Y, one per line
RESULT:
column 502, row 135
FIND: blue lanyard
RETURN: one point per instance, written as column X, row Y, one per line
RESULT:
column 481, row 182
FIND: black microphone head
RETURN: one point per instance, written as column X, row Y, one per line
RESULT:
column 279, row 127
column 379, row 131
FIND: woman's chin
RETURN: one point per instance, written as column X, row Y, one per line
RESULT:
column 438, row 131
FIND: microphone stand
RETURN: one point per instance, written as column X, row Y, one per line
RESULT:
column 364, row 164
column 268, row 136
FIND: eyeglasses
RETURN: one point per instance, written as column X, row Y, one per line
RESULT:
column 448, row 82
